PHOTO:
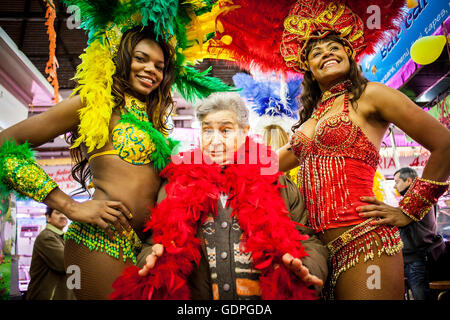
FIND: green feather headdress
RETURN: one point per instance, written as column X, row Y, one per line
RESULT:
column 176, row 21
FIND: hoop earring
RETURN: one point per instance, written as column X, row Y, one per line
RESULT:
column 349, row 51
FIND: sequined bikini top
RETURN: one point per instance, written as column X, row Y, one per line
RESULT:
column 337, row 165
column 135, row 140
column 336, row 135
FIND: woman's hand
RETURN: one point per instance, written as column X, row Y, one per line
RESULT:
column 386, row 213
column 157, row 251
column 296, row 266
column 103, row 213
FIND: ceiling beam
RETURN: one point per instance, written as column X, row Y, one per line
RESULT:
column 23, row 27
column 61, row 41
column 29, row 16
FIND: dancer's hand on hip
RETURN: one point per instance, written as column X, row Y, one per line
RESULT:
column 296, row 266
column 103, row 213
column 386, row 213
column 150, row 261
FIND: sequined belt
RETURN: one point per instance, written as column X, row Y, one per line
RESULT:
column 344, row 251
column 95, row 238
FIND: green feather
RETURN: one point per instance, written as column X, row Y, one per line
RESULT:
column 96, row 15
column 7, row 149
column 163, row 146
column 161, row 13
column 192, row 84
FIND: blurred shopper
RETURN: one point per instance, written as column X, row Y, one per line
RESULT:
column 48, row 275
column 422, row 245
column 276, row 137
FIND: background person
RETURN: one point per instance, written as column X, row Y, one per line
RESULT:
column 422, row 246
column 47, row 270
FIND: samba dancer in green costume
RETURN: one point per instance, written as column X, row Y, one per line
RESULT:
column 117, row 117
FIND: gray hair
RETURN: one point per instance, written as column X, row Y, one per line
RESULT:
column 407, row 172
column 219, row 101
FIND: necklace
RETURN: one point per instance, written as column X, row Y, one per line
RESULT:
column 136, row 107
column 328, row 98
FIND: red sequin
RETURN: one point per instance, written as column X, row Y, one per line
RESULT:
column 337, row 166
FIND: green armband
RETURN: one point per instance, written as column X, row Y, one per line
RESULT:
column 19, row 172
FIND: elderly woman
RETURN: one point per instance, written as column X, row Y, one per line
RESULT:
column 229, row 197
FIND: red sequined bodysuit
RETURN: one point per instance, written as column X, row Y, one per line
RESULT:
column 337, row 165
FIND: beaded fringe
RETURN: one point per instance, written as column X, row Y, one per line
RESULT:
column 95, row 238
column 317, row 193
column 361, row 239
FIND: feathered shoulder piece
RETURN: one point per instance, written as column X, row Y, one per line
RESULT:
column 186, row 24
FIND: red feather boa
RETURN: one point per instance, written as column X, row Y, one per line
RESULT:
column 192, row 193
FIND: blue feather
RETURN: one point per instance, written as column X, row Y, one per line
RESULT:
column 265, row 96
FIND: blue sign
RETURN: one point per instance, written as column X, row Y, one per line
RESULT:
column 419, row 22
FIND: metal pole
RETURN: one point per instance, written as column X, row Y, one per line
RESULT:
column 394, row 148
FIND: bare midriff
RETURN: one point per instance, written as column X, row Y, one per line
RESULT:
column 136, row 186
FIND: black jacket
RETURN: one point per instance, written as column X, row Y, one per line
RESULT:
column 420, row 239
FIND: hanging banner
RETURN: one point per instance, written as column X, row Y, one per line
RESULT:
column 387, row 167
column 61, row 174
column 390, row 58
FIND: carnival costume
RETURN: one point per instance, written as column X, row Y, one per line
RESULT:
column 338, row 164
column 134, row 138
column 337, row 167
column 193, row 191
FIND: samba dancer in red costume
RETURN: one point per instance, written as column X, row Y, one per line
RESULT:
column 336, row 142
column 342, row 124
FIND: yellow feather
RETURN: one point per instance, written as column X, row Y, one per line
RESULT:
column 94, row 76
column 197, row 30
column 377, row 188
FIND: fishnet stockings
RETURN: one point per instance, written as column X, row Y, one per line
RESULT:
column 358, row 282
column 98, row 270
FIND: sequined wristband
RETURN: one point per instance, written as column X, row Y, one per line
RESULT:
column 421, row 196
column 19, row 172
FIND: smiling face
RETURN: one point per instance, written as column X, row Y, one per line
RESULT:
column 147, row 67
column 328, row 62
column 222, row 135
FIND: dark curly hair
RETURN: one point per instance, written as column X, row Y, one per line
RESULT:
column 159, row 102
column 311, row 92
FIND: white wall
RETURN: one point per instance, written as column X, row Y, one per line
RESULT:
column 12, row 110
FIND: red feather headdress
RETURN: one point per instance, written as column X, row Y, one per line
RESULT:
column 272, row 34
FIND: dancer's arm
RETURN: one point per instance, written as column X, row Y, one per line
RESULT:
column 286, row 158
column 313, row 268
column 38, row 130
column 395, row 107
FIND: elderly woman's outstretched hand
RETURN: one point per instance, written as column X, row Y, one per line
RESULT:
column 150, row 261
column 296, row 266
